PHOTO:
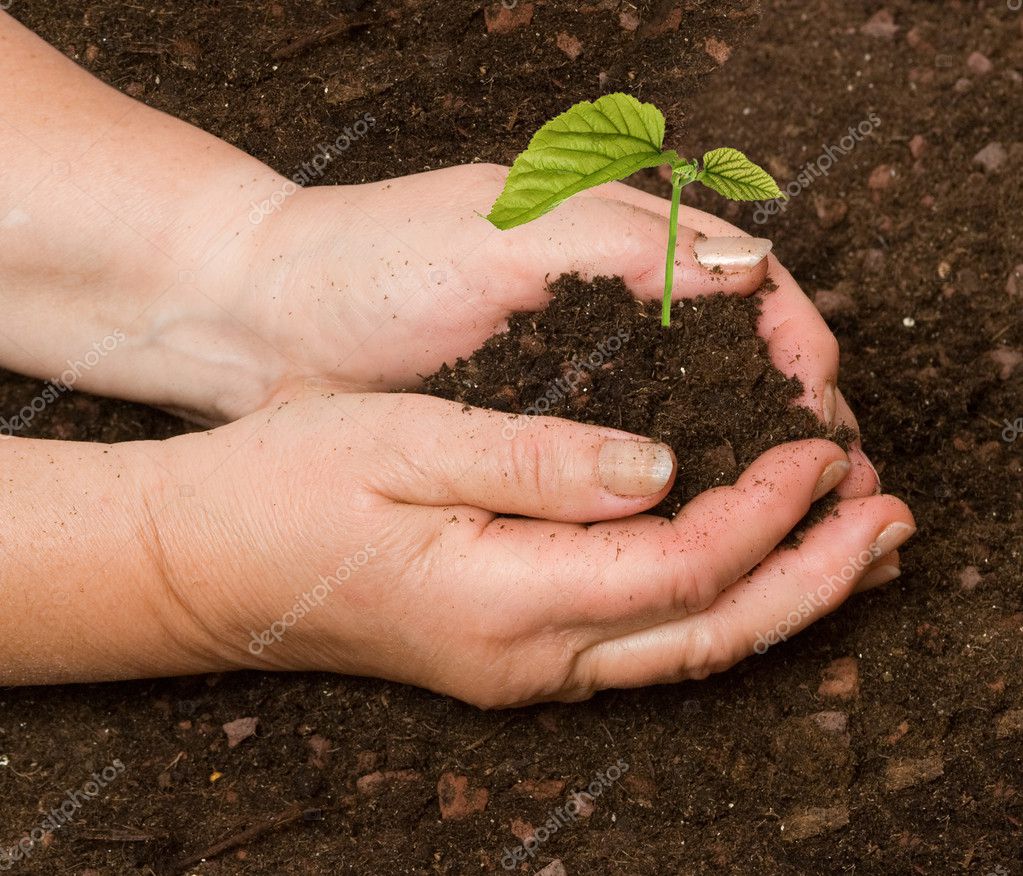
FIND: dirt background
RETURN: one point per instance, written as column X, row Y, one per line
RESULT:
column 888, row 739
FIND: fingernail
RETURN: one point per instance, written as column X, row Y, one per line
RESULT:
column 829, row 404
column 877, row 577
column 891, row 537
column 635, row 468
column 830, row 478
column 731, row 253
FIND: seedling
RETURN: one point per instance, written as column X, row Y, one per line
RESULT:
column 609, row 139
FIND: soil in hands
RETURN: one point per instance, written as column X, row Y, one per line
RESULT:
column 704, row 385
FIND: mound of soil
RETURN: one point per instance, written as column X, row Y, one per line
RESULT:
column 704, row 385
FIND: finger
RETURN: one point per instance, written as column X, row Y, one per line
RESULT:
column 643, row 570
column 785, row 594
column 800, row 343
column 541, row 467
column 862, row 479
column 601, row 236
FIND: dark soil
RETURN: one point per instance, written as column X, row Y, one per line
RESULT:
column 762, row 770
column 705, row 385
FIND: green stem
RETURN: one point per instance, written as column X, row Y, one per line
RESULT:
column 669, row 265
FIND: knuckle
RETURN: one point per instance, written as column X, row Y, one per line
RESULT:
column 532, row 465
column 706, row 649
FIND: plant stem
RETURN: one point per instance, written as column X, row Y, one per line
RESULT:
column 669, row 265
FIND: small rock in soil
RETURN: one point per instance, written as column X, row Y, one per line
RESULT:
column 554, row 868
column 969, row 578
column 457, row 800
column 718, row 50
column 666, row 18
column 881, row 177
column 584, row 805
column 831, row 722
column 880, row 25
column 522, row 829
column 962, row 85
column 1007, row 360
column 570, row 45
column 319, row 751
column 642, row 789
column 239, row 730
column 835, row 302
column 1010, row 724
column 917, row 146
column 628, row 20
column 979, row 64
column 379, row 782
column 500, row 19
column 830, row 211
column 991, row 158
column 906, row 772
column 805, row 823
column 874, row 261
column 1014, row 282
column 841, row 679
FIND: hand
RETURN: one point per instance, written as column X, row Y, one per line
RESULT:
column 374, row 286
column 361, row 534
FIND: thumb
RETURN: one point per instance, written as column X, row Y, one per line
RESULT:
column 594, row 235
column 540, row 467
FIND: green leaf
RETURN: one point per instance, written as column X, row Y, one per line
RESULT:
column 732, row 174
column 587, row 145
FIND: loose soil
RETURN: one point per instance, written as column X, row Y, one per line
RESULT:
column 705, row 385
column 887, row 739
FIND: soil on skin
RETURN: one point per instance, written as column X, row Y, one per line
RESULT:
column 705, row 385
column 888, row 738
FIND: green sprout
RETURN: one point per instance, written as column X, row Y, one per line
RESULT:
column 594, row 143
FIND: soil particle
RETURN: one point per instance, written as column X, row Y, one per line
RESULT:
column 457, row 800
column 841, row 679
column 554, row 868
column 570, row 45
column 501, row 18
column 1009, row 724
column 991, row 158
column 380, row 782
column 805, row 823
column 907, row 772
column 836, row 303
column 880, row 25
column 831, row 722
column 239, row 730
column 979, row 64
column 969, row 578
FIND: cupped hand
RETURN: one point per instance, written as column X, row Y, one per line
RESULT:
column 374, row 286
column 367, row 534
